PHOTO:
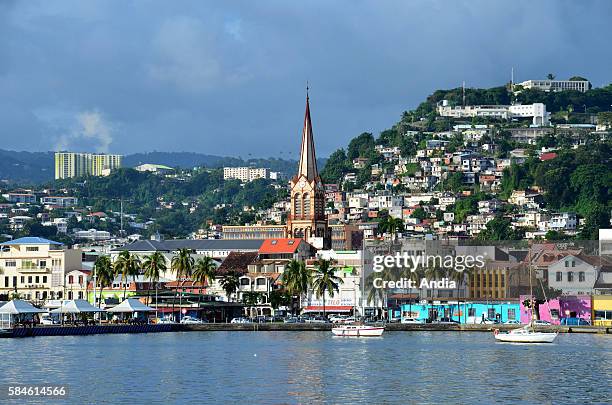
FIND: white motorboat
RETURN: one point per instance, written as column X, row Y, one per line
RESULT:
column 525, row 335
column 358, row 330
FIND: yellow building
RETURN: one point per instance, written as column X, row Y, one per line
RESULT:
column 34, row 268
column 488, row 283
column 70, row 164
column 602, row 310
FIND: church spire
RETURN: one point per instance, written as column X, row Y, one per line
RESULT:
column 308, row 159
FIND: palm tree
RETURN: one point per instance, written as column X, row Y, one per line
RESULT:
column 127, row 265
column 459, row 277
column 297, row 278
column 251, row 299
column 374, row 294
column 391, row 225
column 324, row 280
column 230, row 282
column 204, row 271
column 182, row 265
column 413, row 276
column 105, row 274
column 154, row 265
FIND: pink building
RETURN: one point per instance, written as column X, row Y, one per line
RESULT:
column 556, row 309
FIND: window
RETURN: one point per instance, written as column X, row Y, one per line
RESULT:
column 37, row 279
column 42, row 263
column 45, row 279
column 573, row 263
column 559, row 276
column 31, row 248
column 570, row 276
column 581, row 276
column 70, row 279
column 306, row 199
column 511, row 314
column 491, row 313
column 471, row 311
column 29, row 279
column 6, row 281
column 554, row 313
column 297, row 205
column 10, row 263
column 261, row 281
column 245, row 281
column 80, row 279
column 567, row 263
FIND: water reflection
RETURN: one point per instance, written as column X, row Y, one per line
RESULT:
column 306, row 367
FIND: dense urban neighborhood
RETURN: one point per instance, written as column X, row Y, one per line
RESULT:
column 519, row 173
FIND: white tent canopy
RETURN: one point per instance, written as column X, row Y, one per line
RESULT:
column 76, row 307
column 16, row 307
column 131, row 305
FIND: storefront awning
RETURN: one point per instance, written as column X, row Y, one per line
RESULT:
column 328, row 308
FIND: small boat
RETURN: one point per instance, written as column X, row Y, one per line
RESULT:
column 525, row 335
column 358, row 330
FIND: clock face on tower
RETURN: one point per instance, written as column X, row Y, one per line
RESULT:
column 302, row 183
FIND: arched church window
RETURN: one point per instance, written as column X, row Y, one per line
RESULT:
column 297, row 205
column 306, row 204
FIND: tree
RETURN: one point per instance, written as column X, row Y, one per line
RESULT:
column 500, row 228
column 204, row 272
column 251, row 299
column 182, row 265
column 127, row 265
column 230, row 282
column 550, row 76
column 154, row 265
column 325, row 281
column 336, row 167
column 105, row 274
column 391, row 225
column 280, row 298
column 297, row 278
column 419, row 213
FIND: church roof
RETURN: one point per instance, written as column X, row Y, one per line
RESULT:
column 308, row 159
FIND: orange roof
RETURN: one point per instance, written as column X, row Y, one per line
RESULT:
column 281, row 245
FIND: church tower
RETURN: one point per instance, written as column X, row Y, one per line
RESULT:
column 307, row 217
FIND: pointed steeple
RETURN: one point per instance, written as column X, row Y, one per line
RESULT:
column 308, row 159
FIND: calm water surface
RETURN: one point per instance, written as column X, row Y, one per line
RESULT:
column 312, row 367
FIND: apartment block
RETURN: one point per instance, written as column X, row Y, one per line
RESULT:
column 245, row 174
column 70, row 164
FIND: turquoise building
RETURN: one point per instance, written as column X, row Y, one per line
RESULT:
column 463, row 312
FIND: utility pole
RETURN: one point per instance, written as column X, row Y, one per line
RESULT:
column 463, row 88
column 121, row 212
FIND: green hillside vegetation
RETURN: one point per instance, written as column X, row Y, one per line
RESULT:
column 206, row 188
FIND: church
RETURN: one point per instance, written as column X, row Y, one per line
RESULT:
column 307, row 216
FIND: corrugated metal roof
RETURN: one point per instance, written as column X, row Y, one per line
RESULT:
column 194, row 244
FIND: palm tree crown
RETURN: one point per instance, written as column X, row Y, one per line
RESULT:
column 127, row 265
column 325, row 280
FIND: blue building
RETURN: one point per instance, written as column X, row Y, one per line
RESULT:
column 464, row 312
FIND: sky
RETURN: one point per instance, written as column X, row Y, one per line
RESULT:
column 229, row 78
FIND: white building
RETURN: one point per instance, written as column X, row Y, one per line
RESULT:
column 92, row 235
column 60, row 201
column 557, row 85
column 537, row 111
column 245, row 174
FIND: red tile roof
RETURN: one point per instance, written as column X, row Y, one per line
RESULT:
column 281, row 245
column 548, row 156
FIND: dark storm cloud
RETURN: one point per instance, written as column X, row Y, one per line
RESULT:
column 229, row 77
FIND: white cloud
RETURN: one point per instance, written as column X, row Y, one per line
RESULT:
column 78, row 131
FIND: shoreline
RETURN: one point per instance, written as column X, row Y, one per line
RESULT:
column 272, row 327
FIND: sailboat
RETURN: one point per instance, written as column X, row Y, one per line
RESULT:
column 527, row 334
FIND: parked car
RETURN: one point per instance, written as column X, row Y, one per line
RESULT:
column 447, row 321
column 292, row 319
column 48, row 320
column 190, row 320
column 317, row 319
column 489, row 321
column 163, row 321
column 574, row 322
column 540, row 322
column 337, row 318
column 412, row 321
column 240, row 320
column 512, row 322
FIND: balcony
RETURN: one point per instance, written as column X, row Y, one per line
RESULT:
column 32, row 269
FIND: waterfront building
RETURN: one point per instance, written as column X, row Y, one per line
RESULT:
column 76, row 284
column 470, row 312
column 348, row 298
column 602, row 310
column 35, row 268
column 557, row 85
column 245, row 174
column 71, row 164
column 307, row 217
column 253, row 232
column 556, row 309
column 575, row 274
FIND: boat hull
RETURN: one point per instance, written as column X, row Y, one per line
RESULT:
column 536, row 337
column 358, row 331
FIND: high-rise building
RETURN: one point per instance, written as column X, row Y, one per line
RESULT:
column 307, row 217
column 245, row 174
column 70, row 164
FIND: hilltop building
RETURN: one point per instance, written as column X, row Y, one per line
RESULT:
column 70, row 164
column 245, row 174
column 557, row 85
